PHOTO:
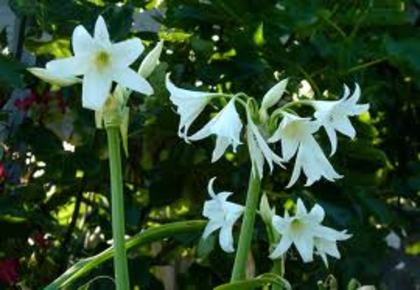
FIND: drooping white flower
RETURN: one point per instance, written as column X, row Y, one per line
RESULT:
column 305, row 232
column 295, row 134
column 189, row 105
column 54, row 78
column 101, row 62
column 259, row 151
column 222, row 215
column 334, row 115
column 227, row 126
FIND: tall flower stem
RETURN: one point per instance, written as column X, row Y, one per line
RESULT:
column 117, row 202
column 247, row 228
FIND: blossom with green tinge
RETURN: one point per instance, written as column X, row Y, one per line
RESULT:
column 222, row 215
column 296, row 136
column 305, row 232
column 227, row 126
column 101, row 63
column 334, row 115
column 189, row 105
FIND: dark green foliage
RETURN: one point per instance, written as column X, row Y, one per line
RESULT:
column 236, row 45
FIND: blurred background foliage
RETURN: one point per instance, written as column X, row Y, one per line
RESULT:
column 54, row 198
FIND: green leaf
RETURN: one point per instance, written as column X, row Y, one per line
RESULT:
column 260, row 281
column 84, row 266
column 11, row 72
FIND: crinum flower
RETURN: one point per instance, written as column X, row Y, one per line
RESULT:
column 304, row 230
column 227, row 126
column 189, row 105
column 296, row 135
column 222, row 215
column 259, row 151
column 100, row 62
column 334, row 115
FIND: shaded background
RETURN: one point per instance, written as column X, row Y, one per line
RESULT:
column 54, row 199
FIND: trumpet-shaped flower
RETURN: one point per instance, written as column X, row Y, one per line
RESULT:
column 101, row 62
column 222, row 215
column 259, row 151
column 295, row 134
column 305, row 232
column 189, row 105
column 227, row 126
column 334, row 115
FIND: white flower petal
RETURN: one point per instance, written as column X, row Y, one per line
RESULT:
column 344, row 126
column 300, row 208
column 96, row 89
column 304, row 243
column 101, row 34
column 211, row 227
column 75, row 65
column 282, row 247
column 222, row 144
column 53, row 78
column 332, row 136
column 82, row 42
column 151, row 60
column 126, row 52
column 317, row 213
column 226, row 238
column 130, row 79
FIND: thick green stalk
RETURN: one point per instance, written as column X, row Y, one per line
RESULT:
column 247, row 228
column 117, row 202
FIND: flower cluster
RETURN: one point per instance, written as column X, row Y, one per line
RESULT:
column 303, row 230
column 295, row 133
column 265, row 125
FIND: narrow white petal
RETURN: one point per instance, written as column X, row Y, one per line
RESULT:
column 126, row 52
column 130, row 79
column 151, row 60
column 280, row 224
column 289, row 147
column 222, row 143
column 356, row 95
column 53, row 78
column 300, row 208
column 257, row 158
column 329, row 233
column 344, row 126
column 296, row 170
column 210, row 189
column 95, row 91
column 204, row 132
column 101, row 34
column 317, row 213
column 75, row 65
column 82, row 42
column 211, row 227
column 226, row 238
column 332, row 136
column 282, row 247
column 304, row 243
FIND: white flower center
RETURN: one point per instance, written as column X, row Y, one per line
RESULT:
column 296, row 226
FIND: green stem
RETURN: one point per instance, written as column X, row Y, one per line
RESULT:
column 247, row 228
column 117, row 202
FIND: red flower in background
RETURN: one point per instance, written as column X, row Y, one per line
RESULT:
column 2, row 172
column 9, row 271
column 42, row 100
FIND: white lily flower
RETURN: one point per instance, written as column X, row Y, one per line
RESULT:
column 227, row 126
column 54, row 78
column 296, row 135
column 189, row 105
column 334, row 115
column 259, row 151
column 101, row 62
column 222, row 215
column 304, row 230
